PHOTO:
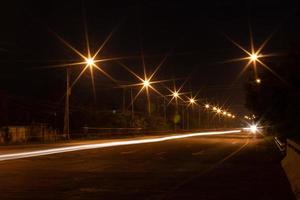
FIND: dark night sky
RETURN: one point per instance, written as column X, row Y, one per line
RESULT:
column 192, row 33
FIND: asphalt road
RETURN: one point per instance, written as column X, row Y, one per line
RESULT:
column 232, row 166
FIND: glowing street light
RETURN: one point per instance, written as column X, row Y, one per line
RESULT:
column 219, row 110
column 207, row 106
column 215, row 108
column 90, row 62
column 175, row 94
column 146, row 83
column 89, row 58
column 258, row 81
column 192, row 101
column 253, row 57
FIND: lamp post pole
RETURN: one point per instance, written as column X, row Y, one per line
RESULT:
column 199, row 118
column 67, row 106
column 165, row 111
column 132, row 107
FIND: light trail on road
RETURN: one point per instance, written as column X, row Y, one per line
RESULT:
column 36, row 153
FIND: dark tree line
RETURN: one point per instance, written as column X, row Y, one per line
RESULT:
column 276, row 100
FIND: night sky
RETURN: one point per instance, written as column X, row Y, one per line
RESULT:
column 191, row 34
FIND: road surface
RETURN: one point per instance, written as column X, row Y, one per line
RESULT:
column 231, row 166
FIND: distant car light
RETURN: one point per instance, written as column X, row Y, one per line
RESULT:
column 253, row 128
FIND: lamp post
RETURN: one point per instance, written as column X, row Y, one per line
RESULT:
column 146, row 84
column 183, row 117
column 165, row 111
column 192, row 101
column 207, row 106
column 176, row 96
column 199, row 117
column 90, row 63
column 67, row 106
column 132, row 107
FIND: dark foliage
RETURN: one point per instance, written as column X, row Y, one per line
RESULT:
column 276, row 100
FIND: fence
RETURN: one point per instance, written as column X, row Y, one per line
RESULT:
column 96, row 132
column 24, row 134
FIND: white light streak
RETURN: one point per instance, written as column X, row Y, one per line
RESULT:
column 36, row 153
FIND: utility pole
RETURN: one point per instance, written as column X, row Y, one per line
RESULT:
column 132, row 106
column 208, row 119
column 199, row 118
column 149, row 106
column 67, row 106
column 182, row 113
column 165, row 111
column 124, row 101
column 188, row 118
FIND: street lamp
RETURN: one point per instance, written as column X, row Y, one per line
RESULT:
column 175, row 94
column 207, row 106
column 90, row 62
column 146, row 83
column 192, row 100
column 258, row 81
column 253, row 57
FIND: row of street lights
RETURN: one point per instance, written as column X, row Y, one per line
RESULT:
column 146, row 82
column 176, row 95
column 193, row 101
column 219, row 111
column 249, row 117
